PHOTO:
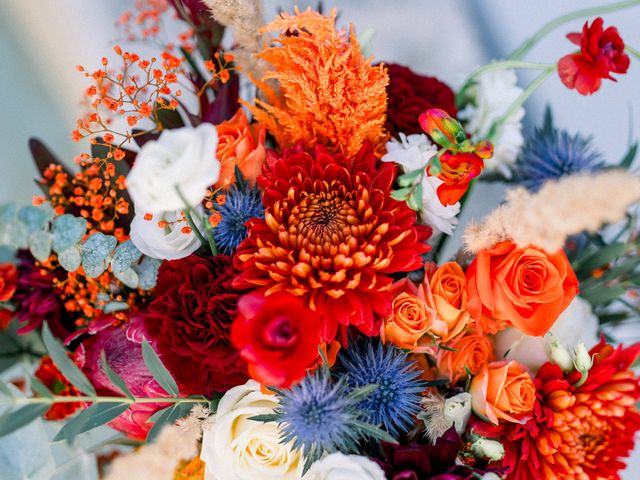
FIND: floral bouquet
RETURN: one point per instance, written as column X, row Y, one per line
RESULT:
column 245, row 275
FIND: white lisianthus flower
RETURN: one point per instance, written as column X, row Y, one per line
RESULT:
column 495, row 91
column 576, row 324
column 182, row 158
column 413, row 152
column 168, row 243
column 457, row 410
column 339, row 466
column 237, row 448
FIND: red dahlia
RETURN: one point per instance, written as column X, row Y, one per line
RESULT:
column 190, row 322
column 332, row 236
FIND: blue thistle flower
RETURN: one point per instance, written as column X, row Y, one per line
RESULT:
column 243, row 202
column 396, row 401
column 550, row 154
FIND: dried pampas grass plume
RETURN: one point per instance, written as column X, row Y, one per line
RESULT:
column 244, row 17
column 559, row 209
column 158, row 460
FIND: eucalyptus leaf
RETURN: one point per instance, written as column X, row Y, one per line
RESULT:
column 17, row 234
column 168, row 416
column 111, row 307
column 96, row 415
column 129, row 277
column 66, row 366
column 12, row 421
column 113, row 377
column 603, row 295
column 38, row 387
column 68, row 230
column 126, row 255
column 599, row 258
column 97, row 248
column 94, row 270
column 147, row 271
column 40, row 245
column 158, row 370
column 8, row 213
column 32, row 217
column 70, row 259
column 5, row 390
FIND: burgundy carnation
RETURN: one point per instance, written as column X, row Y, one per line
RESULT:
column 409, row 95
column 190, row 321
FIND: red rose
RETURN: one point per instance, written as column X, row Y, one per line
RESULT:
column 190, row 320
column 8, row 280
column 278, row 335
column 410, row 94
column 601, row 52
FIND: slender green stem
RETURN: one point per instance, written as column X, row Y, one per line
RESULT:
column 501, row 65
column 194, row 227
column 632, row 51
column 203, row 221
column 60, row 399
column 528, row 44
column 533, row 86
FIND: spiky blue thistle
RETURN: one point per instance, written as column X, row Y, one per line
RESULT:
column 396, row 400
column 243, row 202
column 550, row 154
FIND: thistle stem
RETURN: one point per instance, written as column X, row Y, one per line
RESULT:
column 632, row 51
column 528, row 44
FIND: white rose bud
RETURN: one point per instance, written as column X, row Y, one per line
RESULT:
column 457, row 410
column 490, row 449
column 339, row 466
column 181, row 159
column 559, row 355
column 582, row 361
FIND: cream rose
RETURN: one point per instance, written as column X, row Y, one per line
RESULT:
column 237, row 448
column 182, row 158
column 339, row 466
column 167, row 243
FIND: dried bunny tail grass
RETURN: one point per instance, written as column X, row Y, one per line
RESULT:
column 559, row 209
column 193, row 424
column 158, row 460
column 245, row 18
column 433, row 416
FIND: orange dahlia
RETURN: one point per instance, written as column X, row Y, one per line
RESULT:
column 327, row 92
column 576, row 433
column 331, row 235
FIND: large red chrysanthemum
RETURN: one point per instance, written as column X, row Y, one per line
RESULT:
column 576, row 433
column 331, row 235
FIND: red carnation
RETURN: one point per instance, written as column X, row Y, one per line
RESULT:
column 278, row 336
column 190, row 321
column 332, row 236
column 51, row 377
column 410, row 94
column 601, row 52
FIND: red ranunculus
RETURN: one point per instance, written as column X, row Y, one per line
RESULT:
column 8, row 280
column 278, row 336
column 410, row 94
column 50, row 376
column 601, row 52
column 190, row 320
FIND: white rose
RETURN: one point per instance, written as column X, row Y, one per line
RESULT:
column 236, row 448
column 495, row 91
column 182, row 158
column 576, row 324
column 168, row 243
column 413, row 152
column 339, row 466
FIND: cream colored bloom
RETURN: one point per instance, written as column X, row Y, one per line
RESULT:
column 237, row 448
column 339, row 466
column 181, row 159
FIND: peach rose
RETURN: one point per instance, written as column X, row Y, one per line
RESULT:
column 503, row 391
column 524, row 286
column 449, row 290
column 241, row 144
column 472, row 352
column 412, row 318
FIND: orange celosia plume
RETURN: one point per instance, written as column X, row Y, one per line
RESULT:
column 327, row 92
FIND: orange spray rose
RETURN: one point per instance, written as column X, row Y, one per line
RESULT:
column 241, row 144
column 525, row 286
column 470, row 352
column 503, row 391
column 449, row 289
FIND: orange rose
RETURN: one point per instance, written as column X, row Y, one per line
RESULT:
column 241, row 144
column 472, row 352
column 525, row 286
column 449, row 290
column 412, row 317
column 503, row 391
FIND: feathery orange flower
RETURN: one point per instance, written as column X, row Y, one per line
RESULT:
column 327, row 92
column 577, row 432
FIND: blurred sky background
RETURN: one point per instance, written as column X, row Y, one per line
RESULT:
column 41, row 42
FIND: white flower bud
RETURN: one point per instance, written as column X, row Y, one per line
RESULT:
column 490, row 476
column 559, row 355
column 457, row 410
column 582, row 360
column 490, row 449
